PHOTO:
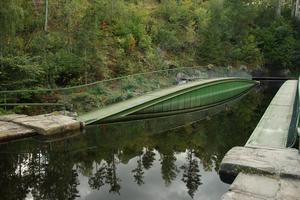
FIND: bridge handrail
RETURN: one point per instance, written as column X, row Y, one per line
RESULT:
column 298, row 110
column 293, row 130
column 91, row 84
column 298, row 106
column 87, row 97
column 96, row 82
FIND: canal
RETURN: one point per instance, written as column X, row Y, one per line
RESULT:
column 166, row 158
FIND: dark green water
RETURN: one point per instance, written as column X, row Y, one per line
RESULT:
column 140, row 160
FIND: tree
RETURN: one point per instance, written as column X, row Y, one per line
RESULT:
column 19, row 72
column 11, row 18
column 279, row 7
column 98, row 179
column 169, row 169
column 46, row 16
column 148, row 158
column 111, row 176
column 191, row 176
column 296, row 8
column 138, row 173
column 277, row 43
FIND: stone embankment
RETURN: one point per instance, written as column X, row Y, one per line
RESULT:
column 18, row 126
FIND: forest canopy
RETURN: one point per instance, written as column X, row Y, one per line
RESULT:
column 56, row 43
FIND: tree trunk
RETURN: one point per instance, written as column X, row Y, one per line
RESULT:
column 278, row 9
column 293, row 8
column 297, row 9
column 46, row 15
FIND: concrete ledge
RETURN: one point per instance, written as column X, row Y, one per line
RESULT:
column 257, row 187
column 273, row 171
column 280, row 162
column 11, row 117
column 273, row 128
column 9, row 131
column 48, row 124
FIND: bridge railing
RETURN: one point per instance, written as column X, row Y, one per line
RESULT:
column 293, row 128
column 93, row 96
column 293, row 133
column 297, row 114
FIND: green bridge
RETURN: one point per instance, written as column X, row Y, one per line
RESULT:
column 187, row 97
column 137, row 96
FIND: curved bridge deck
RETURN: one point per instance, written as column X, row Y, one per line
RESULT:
column 188, row 97
column 136, row 104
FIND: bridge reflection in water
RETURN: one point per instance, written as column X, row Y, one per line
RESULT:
column 131, row 159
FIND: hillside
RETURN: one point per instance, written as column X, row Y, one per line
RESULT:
column 87, row 40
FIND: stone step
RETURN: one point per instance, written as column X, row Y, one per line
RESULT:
column 10, row 130
column 258, row 187
column 48, row 124
column 280, row 162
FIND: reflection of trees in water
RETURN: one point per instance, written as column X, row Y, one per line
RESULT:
column 169, row 169
column 138, row 172
column 59, row 176
column 111, row 176
column 12, row 183
column 145, row 161
column 98, row 179
column 148, row 158
column 45, row 175
column 106, row 173
column 51, row 173
column 191, row 173
column 54, row 176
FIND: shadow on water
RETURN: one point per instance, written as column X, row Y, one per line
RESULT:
column 167, row 158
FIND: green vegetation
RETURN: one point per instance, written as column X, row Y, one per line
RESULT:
column 89, row 40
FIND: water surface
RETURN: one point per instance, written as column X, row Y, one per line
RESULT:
column 166, row 158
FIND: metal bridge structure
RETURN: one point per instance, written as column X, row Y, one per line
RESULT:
column 137, row 96
column 187, row 97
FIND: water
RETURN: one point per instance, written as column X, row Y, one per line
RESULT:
column 167, row 158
